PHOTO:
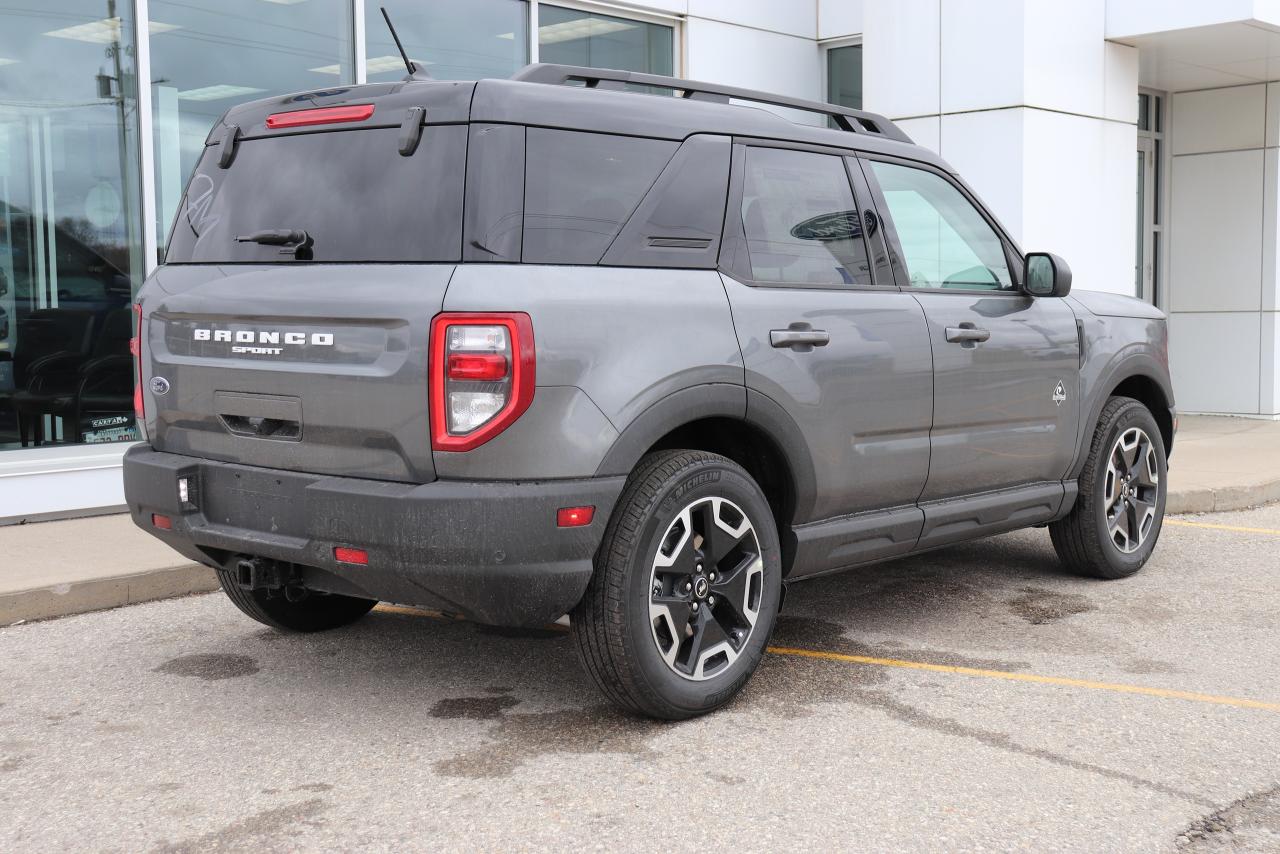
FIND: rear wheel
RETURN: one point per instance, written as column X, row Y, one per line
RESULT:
column 1113, row 528
column 307, row 611
column 686, row 587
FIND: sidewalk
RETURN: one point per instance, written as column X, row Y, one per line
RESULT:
column 52, row 569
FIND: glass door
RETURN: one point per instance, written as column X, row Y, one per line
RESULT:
column 1144, row 267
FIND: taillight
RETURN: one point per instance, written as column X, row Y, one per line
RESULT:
column 135, row 350
column 322, row 116
column 482, row 376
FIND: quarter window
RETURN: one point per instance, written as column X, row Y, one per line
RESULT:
column 945, row 240
column 580, row 188
column 800, row 220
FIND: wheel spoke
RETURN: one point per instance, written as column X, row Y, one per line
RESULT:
column 708, row 636
column 1119, row 524
column 733, row 589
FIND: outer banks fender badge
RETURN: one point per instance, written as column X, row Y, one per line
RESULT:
column 1059, row 393
column 159, row 385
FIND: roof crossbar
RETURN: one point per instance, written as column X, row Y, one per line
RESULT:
column 854, row 121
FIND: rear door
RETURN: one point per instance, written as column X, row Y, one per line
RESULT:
column 308, row 358
column 1006, row 400
column 826, row 335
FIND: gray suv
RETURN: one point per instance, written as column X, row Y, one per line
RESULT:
column 622, row 347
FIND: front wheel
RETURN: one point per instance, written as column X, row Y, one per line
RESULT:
column 1113, row 528
column 686, row 588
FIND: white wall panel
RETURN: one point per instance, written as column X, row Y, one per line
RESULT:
column 840, row 18
column 1121, row 70
column 1273, row 114
column 982, row 54
column 1270, row 230
column 900, row 58
column 796, row 17
column 926, row 131
column 1215, row 361
column 1270, row 362
column 1053, row 32
column 1218, row 119
column 1216, row 232
column 756, row 59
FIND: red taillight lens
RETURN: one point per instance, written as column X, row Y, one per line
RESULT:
column 574, row 517
column 164, row 523
column 346, row 554
column 487, row 367
column 322, row 116
column 135, row 350
column 481, row 376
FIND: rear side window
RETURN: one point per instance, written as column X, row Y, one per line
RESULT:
column 946, row 242
column 580, row 188
column 801, row 224
column 351, row 191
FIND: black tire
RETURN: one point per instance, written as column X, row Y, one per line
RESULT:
column 615, row 633
column 1084, row 539
column 315, row 612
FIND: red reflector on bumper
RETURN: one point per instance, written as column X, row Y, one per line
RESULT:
column 574, row 517
column 322, row 116
column 346, row 554
column 164, row 523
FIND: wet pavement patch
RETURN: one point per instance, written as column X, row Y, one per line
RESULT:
column 1038, row 606
column 519, row 738
column 473, row 708
column 1250, row 824
column 210, row 666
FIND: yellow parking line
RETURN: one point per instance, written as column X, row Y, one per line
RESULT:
column 1237, row 528
column 1120, row 688
column 1008, row 675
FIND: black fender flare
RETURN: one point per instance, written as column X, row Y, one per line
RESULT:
column 723, row 400
column 1126, row 366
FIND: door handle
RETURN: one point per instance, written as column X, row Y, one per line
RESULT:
column 966, row 334
column 800, row 337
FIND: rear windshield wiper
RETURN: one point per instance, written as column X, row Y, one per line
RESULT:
column 296, row 242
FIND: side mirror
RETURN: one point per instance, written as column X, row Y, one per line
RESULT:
column 1046, row 275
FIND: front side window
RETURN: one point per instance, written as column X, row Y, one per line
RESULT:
column 946, row 242
column 800, row 220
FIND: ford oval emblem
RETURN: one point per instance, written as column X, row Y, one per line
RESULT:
column 159, row 385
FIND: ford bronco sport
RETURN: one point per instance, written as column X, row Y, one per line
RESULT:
column 621, row 347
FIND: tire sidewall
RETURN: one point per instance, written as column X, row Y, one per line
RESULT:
column 1136, row 415
column 704, row 479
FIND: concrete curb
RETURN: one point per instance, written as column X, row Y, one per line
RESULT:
column 1222, row 499
column 99, row 594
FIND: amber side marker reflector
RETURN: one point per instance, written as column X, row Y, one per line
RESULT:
column 346, row 554
column 574, row 517
column 323, row 116
column 164, row 523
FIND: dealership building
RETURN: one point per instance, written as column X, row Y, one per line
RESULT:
column 1139, row 139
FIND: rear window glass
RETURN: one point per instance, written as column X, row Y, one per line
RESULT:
column 580, row 188
column 351, row 191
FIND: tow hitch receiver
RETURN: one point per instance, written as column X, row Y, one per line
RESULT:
column 255, row 573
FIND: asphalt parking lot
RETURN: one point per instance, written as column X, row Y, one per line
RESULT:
column 970, row 699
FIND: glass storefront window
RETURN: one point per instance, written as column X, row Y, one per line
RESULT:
column 573, row 37
column 209, row 55
column 70, row 241
column 844, row 76
column 451, row 39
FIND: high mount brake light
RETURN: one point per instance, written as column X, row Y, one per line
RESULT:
column 322, row 116
column 481, row 376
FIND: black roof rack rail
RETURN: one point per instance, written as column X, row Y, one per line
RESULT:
column 854, row 121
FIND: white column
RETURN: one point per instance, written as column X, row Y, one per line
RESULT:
column 1034, row 108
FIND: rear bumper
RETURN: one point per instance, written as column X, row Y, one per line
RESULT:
column 489, row 550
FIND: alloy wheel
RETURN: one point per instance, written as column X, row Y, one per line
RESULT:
column 1132, row 490
column 705, row 588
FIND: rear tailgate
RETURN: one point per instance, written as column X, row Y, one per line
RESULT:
column 285, row 367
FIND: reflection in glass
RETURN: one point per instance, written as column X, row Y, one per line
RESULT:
column 844, row 76
column 573, row 37
column 209, row 55
column 70, row 248
column 452, row 39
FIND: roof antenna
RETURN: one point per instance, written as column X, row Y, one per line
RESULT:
column 414, row 69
